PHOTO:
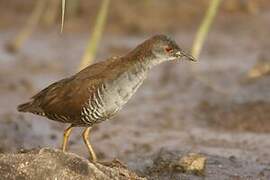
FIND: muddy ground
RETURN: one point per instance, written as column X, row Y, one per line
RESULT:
column 206, row 107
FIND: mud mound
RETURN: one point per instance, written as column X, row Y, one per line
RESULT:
column 54, row 164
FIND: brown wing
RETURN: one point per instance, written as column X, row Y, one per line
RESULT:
column 67, row 99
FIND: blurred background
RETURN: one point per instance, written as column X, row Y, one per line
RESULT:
column 219, row 105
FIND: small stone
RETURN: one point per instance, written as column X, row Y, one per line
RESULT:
column 194, row 163
column 261, row 68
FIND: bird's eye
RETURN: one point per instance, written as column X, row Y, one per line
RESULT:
column 168, row 49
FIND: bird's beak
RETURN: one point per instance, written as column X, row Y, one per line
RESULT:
column 181, row 53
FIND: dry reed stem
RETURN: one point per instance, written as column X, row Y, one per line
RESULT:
column 200, row 39
column 94, row 40
column 63, row 14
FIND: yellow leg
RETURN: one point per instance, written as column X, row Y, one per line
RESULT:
column 87, row 143
column 66, row 136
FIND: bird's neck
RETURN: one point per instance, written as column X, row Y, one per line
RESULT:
column 149, row 62
column 144, row 59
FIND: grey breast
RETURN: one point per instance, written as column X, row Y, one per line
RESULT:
column 110, row 97
column 92, row 110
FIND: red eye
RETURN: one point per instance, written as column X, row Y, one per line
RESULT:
column 169, row 49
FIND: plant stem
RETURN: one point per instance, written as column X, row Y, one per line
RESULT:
column 200, row 39
column 204, row 27
column 96, row 35
column 63, row 14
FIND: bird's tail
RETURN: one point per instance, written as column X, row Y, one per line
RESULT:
column 26, row 107
column 29, row 107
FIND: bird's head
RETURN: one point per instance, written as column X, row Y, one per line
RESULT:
column 164, row 48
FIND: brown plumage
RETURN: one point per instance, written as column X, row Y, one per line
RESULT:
column 100, row 90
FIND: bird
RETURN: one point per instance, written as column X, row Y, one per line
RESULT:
column 100, row 90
